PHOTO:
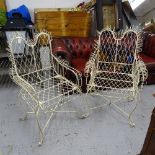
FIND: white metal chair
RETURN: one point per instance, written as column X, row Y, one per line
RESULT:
column 115, row 70
column 42, row 77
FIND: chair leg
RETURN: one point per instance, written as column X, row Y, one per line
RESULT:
column 85, row 107
column 126, row 114
column 24, row 118
column 137, row 99
column 87, row 111
column 130, row 114
column 42, row 129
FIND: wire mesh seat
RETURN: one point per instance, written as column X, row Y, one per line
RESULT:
column 42, row 77
column 115, row 69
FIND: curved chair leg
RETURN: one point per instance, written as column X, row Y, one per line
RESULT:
column 137, row 99
column 25, row 117
column 131, row 123
column 128, row 115
column 41, row 133
column 42, row 129
column 85, row 99
column 86, row 112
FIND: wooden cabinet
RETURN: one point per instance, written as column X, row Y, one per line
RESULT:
column 61, row 22
column 149, row 143
column 109, row 14
column 109, row 18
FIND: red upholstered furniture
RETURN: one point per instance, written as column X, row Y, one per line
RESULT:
column 148, row 55
column 76, row 50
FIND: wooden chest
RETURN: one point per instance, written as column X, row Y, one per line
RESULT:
column 149, row 143
column 61, row 22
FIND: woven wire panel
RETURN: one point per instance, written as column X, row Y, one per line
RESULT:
column 116, row 71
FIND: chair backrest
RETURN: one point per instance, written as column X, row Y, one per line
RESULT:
column 118, row 50
column 28, row 56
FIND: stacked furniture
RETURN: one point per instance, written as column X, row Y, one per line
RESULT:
column 148, row 55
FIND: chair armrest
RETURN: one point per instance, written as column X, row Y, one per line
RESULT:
column 91, row 63
column 63, row 68
column 143, row 72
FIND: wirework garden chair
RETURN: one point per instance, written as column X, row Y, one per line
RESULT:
column 116, row 71
column 42, row 77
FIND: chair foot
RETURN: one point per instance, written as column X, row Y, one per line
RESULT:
column 40, row 143
column 132, row 125
column 130, row 99
column 41, row 137
column 23, row 118
column 83, row 116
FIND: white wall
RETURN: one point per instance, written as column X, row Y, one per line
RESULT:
column 146, row 11
column 31, row 4
column 150, row 15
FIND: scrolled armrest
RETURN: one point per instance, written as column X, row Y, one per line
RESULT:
column 64, row 68
column 143, row 72
column 88, row 68
column 91, row 63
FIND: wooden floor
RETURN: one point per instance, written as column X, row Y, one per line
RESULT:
column 104, row 132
